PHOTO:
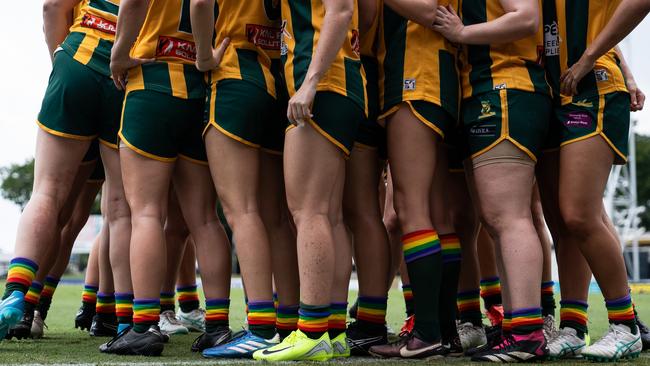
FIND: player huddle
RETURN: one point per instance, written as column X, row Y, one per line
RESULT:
column 437, row 139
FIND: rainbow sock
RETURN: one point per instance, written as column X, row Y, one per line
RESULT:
column 167, row 301
column 20, row 275
column 286, row 320
column 548, row 299
column 146, row 312
column 89, row 295
column 573, row 314
column 407, row 291
column 124, row 309
column 337, row 318
column 188, row 298
column 420, row 244
column 469, row 306
column 371, row 314
column 261, row 318
column 450, row 246
column 49, row 287
column 506, row 324
column 313, row 319
column 620, row 311
column 216, row 314
column 491, row 291
column 105, row 304
column 526, row 321
column 33, row 295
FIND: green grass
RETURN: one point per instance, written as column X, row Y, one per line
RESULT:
column 64, row 345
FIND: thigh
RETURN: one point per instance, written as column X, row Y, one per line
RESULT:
column 111, row 113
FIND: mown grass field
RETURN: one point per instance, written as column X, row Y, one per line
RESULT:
column 65, row 345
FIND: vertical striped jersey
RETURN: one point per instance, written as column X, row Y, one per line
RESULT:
column 515, row 65
column 301, row 26
column 416, row 63
column 92, row 34
column 166, row 36
column 569, row 28
column 253, row 55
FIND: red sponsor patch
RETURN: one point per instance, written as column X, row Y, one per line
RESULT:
column 268, row 38
column 355, row 42
column 176, row 48
column 101, row 24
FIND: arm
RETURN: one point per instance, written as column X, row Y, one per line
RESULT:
column 422, row 12
column 367, row 14
column 626, row 17
column 202, row 17
column 521, row 20
column 129, row 22
column 57, row 19
column 338, row 15
column 637, row 98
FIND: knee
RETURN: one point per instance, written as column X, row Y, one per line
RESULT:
column 116, row 208
column 578, row 222
column 305, row 217
column 147, row 214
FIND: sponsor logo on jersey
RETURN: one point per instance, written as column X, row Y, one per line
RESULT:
column 486, row 109
column 500, row 86
column 268, row 38
column 483, row 130
column 284, row 35
column 601, row 75
column 551, row 39
column 355, row 42
column 176, row 48
column 409, row 84
column 578, row 120
column 98, row 23
column 583, row 103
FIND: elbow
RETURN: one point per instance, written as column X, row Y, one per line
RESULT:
column 344, row 11
column 202, row 4
column 530, row 26
column 52, row 6
column 429, row 16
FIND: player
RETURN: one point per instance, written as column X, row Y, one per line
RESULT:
column 503, row 81
column 326, row 85
column 80, row 105
column 160, row 139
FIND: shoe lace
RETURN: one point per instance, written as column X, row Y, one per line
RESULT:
column 611, row 337
column 170, row 318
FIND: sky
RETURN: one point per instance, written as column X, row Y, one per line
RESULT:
column 25, row 67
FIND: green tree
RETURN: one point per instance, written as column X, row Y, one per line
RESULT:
column 643, row 177
column 17, row 181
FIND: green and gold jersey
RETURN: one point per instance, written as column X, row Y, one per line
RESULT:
column 515, row 65
column 569, row 28
column 92, row 34
column 301, row 26
column 166, row 36
column 416, row 63
column 253, row 54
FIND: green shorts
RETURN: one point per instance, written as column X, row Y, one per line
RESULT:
column 454, row 144
column 247, row 113
column 514, row 115
column 80, row 103
column 97, row 175
column 337, row 118
column 605, row 115
column 163, row 127
column 92, row 153
column 370, row 133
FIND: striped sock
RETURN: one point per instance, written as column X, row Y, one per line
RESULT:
column 469, row 306
column 146, row 312
column 620, row 311
column 337, row 318
column 526, row 321
column 407, row 291
column 49, row 287
column 89, row 295
column 313, row 319
column 167, row 301
column 424, row 263
column 573, row 314
column 261, row 318
column 188, row 298
column 216, row 314
column 491, row 291
column 371, row 314
column 506, row 324
column 548, row 299
column 124, row 308
column 450, row 246
column 286, row 320
column 105, row 303
column 33, row 295
column 20, row 276
column 450, row 249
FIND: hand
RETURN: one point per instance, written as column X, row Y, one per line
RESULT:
column 571, row 78
column 120, row 65
column 213, row 60
column 449, row 24
column 299, row 110
column 637, row 98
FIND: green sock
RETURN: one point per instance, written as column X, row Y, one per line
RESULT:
column 450, row 245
